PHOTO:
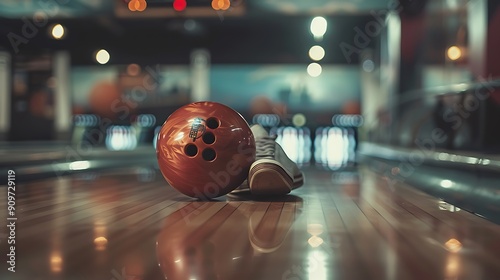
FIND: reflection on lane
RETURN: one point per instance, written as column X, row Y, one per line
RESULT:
column 107, row 227
column 477, row 194
column 445, row 206
column 220, row 240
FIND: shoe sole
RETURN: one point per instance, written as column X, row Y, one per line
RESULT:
column 243, row 188
column 270, row 179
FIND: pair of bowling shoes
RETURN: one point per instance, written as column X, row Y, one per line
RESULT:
column 273, row 173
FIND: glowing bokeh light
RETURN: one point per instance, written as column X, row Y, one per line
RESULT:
column 100, row 243
column 314, row 69
column 299, row 120
column 137, row 5
column 315, row 241
column 368, row 65
column 179, row 5
column 58, row 31
column 453, row 245
column 318, row 26
column 133, row 69
column 454, row 53
column 222, row 5
column 315, row 229
column 316, row 53
column 446, row 184
column 102, row 56
column 56, row 262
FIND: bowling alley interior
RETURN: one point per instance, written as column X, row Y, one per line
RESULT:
column 249, row 139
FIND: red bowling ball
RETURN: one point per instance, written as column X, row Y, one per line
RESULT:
column 205, row 149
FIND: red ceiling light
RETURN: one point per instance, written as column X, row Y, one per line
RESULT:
column 180, row 5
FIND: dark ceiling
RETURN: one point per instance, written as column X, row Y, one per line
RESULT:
column 267, row 32
column 268, row 40
column 78, row 8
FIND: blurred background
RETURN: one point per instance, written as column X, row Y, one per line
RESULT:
column 409, row 89
column 334, row 80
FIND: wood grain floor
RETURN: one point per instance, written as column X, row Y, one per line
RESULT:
column 131, row 225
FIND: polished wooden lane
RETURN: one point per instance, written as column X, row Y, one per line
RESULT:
column 131, row 225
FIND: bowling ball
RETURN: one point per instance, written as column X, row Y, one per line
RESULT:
column 205, row 149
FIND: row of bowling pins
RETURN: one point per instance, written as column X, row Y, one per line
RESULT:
column 295, row 141
column 123, row 138
column 88, row 127
column 334, row 147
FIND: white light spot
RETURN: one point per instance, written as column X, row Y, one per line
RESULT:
column 446, row 184
column 179, row 136
column 314, row 69
column 318, row 26
column 102, row 56
column 58, row 31
column 316, row 53
column 79, row 165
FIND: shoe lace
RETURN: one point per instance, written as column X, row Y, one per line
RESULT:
column 265, row 147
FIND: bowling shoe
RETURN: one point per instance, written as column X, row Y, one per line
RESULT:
column 273, row 172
